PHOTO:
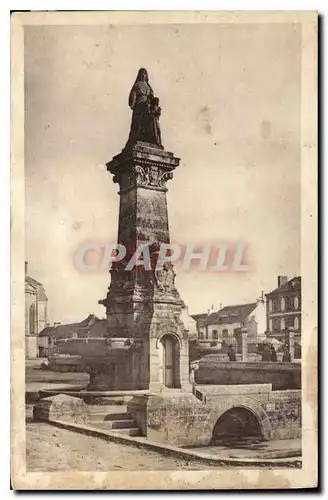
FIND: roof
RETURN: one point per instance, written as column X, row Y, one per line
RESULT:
column 198, row 317
column 38, row 286
column 231, row 314
column 47, row 331
column 99, row 329
column 289, row 286
column 81, row 329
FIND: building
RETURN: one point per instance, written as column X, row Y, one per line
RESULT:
column 284, row 308
column 36, row 311
column 200, row 324
column 89, row 327
column 223, row 324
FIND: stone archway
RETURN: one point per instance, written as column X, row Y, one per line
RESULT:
column 237, row 423
column 229, row 402
column 170, row 361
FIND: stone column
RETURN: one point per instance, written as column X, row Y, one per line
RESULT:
column 143, row 302
column 241, row 337
column 291, row 343
column 244, row 347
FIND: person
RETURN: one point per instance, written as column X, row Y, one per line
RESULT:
column 266, row 353
column 273, row 353
column 231, row 353
column 146, row 112
column 286, row 358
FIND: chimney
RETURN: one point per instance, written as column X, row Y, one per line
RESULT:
column 26, row 267
column 260, row 300
column 282, row 280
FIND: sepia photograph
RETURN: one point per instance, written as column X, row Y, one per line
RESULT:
column 164, row 250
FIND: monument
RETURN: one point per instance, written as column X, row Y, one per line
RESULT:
column 148, row 343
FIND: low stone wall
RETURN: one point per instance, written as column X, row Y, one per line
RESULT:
column 284, row 410
column 62, row 407
column 282, row 376
column 180, row 420
column 184, row 419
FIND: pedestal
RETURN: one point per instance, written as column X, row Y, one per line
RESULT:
column 144, row 303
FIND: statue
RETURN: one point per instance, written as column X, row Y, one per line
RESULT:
column 146, row 112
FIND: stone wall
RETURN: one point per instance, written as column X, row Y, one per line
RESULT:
column 180, row 420
column 31, row 346
column 183, row 419
column 282, row 376
column 284, row 410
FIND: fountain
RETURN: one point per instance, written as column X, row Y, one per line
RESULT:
column 147, row 345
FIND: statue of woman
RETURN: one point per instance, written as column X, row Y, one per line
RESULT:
column 146, row 112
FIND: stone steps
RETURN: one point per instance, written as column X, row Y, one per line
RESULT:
column 108, row 409
column 121, row 426
column 114, row 418
column 109, row 416
column 133, row 431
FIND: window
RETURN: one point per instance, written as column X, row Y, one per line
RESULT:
column 296, row 323
column 214, row 334
column 32, row 319
column 283, row 325
column 276, row 324
column 289, row 321
column 276, row 304
column 283, row 304
column 270, row 305
column 296, row 302
column 225, row 334
column 270, row 325
column 201, row 335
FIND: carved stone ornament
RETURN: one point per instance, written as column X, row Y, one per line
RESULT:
column 151, row 176
column 165, row 279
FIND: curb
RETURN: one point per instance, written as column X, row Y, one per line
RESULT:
column 167, row 449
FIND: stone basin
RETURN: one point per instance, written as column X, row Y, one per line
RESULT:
column 100, row 348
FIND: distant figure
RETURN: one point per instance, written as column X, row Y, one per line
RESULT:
column 231, row 353
column 266, row 354
column 273, row 353
column 286, row 358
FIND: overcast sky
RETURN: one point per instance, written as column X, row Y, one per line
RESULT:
column 230, row 97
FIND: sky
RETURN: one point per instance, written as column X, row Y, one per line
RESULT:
column 230, row 97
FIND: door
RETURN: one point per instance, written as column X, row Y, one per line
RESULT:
column 168, row 362
column 171, row 361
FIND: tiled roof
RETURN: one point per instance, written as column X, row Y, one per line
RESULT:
column 47, row 331
column 99, row 329
column 199, row 317
column 231, row 314
column 289, row 286
column 82, row 329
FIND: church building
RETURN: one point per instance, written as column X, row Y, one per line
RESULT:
column 35, row 314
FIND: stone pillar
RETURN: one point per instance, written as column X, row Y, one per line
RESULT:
column 143, row 302
column 244, row 347
column 241, row 337
column 291, row 343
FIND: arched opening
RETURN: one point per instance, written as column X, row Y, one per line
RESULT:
column 170, row 361
column 237, row 424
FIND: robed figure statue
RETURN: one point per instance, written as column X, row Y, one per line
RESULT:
column 146, row 112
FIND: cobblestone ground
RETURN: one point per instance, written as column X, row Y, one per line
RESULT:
column 49, row 448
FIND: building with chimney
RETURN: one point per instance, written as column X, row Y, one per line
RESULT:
column 36, row 312
column 284, row 308
column 91, row 326
column 222, row 325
